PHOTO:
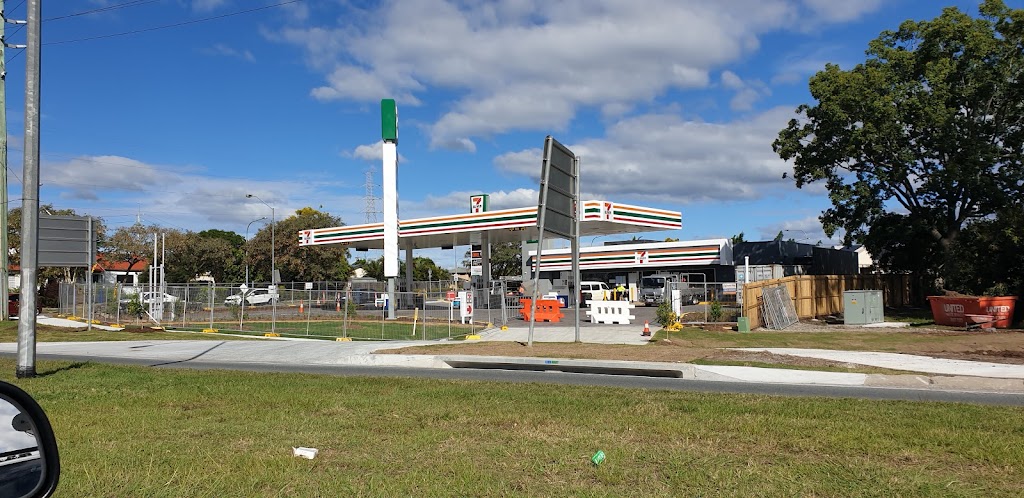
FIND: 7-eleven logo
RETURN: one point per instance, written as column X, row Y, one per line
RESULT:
column 477, row 203
column 305, row 237
column 640, row 257
column 608, row 211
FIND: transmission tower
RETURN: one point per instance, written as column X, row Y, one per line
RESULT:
column 371, row 199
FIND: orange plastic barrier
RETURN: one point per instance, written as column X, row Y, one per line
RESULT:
column 548, row 310
column 955, row 311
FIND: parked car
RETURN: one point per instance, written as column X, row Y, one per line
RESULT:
column 14, row 305
column 253, row 297
column 145, row 298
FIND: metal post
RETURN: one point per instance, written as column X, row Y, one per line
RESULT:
column 211, row 305
column 88, row 282
column 30, row 201
column 243, row 292
column 344, row 320
column 273, row 266
column 746, row 278
column 163, row 278
column 3, row 170
column 578, row 209
column 391, row 301
column 273, row 272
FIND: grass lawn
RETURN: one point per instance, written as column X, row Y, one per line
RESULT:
column 362, row 329
column 9, row 333
column 135, row 431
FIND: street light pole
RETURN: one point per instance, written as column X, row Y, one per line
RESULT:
column 245, row 286
column 273, row 268
column 247, row 248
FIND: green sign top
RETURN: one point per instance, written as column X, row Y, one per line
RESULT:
column 389, row 120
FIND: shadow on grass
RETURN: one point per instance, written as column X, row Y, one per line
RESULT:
column 72, row 366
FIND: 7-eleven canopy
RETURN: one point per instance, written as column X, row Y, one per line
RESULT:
column 506, row 225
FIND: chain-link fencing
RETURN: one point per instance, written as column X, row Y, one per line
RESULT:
column 324, row 310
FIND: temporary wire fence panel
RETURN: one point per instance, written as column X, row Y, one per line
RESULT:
column 777, row 308
column 339, row 313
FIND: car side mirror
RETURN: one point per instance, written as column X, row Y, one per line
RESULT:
column 29, row 463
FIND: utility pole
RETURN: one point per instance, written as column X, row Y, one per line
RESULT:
column 3, row 161
column 4, row 263
column 30, row 201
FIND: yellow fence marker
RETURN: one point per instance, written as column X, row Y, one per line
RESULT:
column 343, row 339
column 473, row 337
column 209, row 331
column 271, row 334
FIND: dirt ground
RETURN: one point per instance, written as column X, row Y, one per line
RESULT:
column 708, row 345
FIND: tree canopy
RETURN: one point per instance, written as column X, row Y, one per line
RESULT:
column 923, row 137
column 308, row 264
column 423, row 269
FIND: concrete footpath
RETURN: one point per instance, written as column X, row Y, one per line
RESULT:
column 983, row 377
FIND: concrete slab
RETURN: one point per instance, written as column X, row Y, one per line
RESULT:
column 71, row 324
column 272, row 352
column 887, row 325
column 605, row 334
column 778, row 375
column 908, row 362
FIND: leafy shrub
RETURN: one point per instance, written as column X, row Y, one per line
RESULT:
column 134, row 306
column 715, row 311
column 665, row 316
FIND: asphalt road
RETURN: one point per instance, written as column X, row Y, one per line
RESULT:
column 581, row 379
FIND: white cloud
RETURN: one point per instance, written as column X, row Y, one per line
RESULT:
column 531, row 64
column 87, row 176
column 834, row 11
column 222, row 49
column 661, row 157
column 371, row 152
column 747, row 92
column 178, row 196
column 731, row 80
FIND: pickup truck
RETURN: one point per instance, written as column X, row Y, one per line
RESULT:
column 655, row 288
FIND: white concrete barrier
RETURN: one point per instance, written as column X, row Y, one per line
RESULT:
column 611, row 312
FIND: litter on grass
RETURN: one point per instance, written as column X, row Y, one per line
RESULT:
column 307, row 453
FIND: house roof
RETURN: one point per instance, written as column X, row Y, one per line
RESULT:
column 103, row 264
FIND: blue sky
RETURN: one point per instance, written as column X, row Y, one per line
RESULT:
column 670, row 103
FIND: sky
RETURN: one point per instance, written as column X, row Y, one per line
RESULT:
column 669, row 103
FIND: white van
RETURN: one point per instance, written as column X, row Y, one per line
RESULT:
column 594, row 291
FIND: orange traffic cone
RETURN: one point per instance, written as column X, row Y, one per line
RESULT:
column 337, row 306
column 647, row 328
column 301, row 309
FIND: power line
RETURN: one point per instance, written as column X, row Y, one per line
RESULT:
column 133, row 3
column 175, row 25
column 116, row 6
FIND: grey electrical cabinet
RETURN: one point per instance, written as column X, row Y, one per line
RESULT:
column 862, row 307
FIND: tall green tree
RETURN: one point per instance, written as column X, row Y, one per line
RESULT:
column 191, row 255
column 506, row 259
column 374, row 268
column 926, row 134
column 132, row 245
column 298, row 264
